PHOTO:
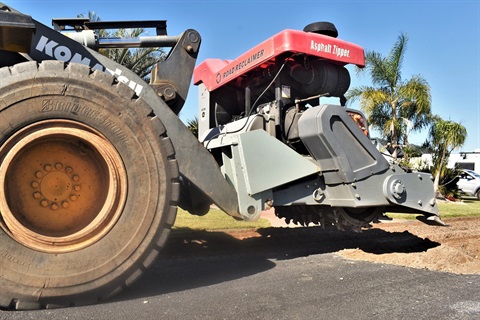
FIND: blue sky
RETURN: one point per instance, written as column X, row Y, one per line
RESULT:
column 443, row 46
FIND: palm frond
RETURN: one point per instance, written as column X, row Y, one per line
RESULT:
column 139, row 60
column 395, row 60
column 392, row 106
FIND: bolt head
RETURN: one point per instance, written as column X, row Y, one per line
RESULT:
column 169, row 93
column 193, row 37
column 397, row 189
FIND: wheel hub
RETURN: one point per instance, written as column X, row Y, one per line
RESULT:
column 55, row 185
column 64, row 186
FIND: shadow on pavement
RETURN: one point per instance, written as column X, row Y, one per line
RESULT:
column 193, row 258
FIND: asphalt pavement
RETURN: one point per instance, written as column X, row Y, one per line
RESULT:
column 282, row 274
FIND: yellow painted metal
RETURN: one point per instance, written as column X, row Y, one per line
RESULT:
column 63, row 186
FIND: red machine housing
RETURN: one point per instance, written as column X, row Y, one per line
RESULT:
column 215, row 73
column 289, row 70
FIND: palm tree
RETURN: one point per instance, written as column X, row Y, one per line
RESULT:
column 192, row 125
column 92, row 16
column 139, row 60
column 393, row 106
column 445, row 136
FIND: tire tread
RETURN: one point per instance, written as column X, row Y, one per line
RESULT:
column 55, row 68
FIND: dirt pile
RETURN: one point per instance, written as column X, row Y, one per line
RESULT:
column 458, row 250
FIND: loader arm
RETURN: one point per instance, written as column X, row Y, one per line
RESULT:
column 35, row 41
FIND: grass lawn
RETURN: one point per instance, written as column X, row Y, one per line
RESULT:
column 465, row 208
column 215, row 219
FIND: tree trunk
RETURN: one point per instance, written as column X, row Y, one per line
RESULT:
column 436, row 182
column 393, row 130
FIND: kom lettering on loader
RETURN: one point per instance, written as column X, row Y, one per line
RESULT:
column 94, row 161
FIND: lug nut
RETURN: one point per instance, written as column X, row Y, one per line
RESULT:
column 75, row 178
column 65, row 204
column 38, row 174
column 37, row 195
column 47, row 167
column 68, row 169
column 73, row 197
column 44, row 203
column 58, row 166
column 54, row 206
column 77, row 187
column 35, row 184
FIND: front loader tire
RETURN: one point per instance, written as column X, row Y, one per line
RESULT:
column 88, row 185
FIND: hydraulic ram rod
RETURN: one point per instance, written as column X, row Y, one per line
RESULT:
column 90, row 40
column 139, row 42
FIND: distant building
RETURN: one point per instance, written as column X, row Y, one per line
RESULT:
column 467, row 160
column 463, row 160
